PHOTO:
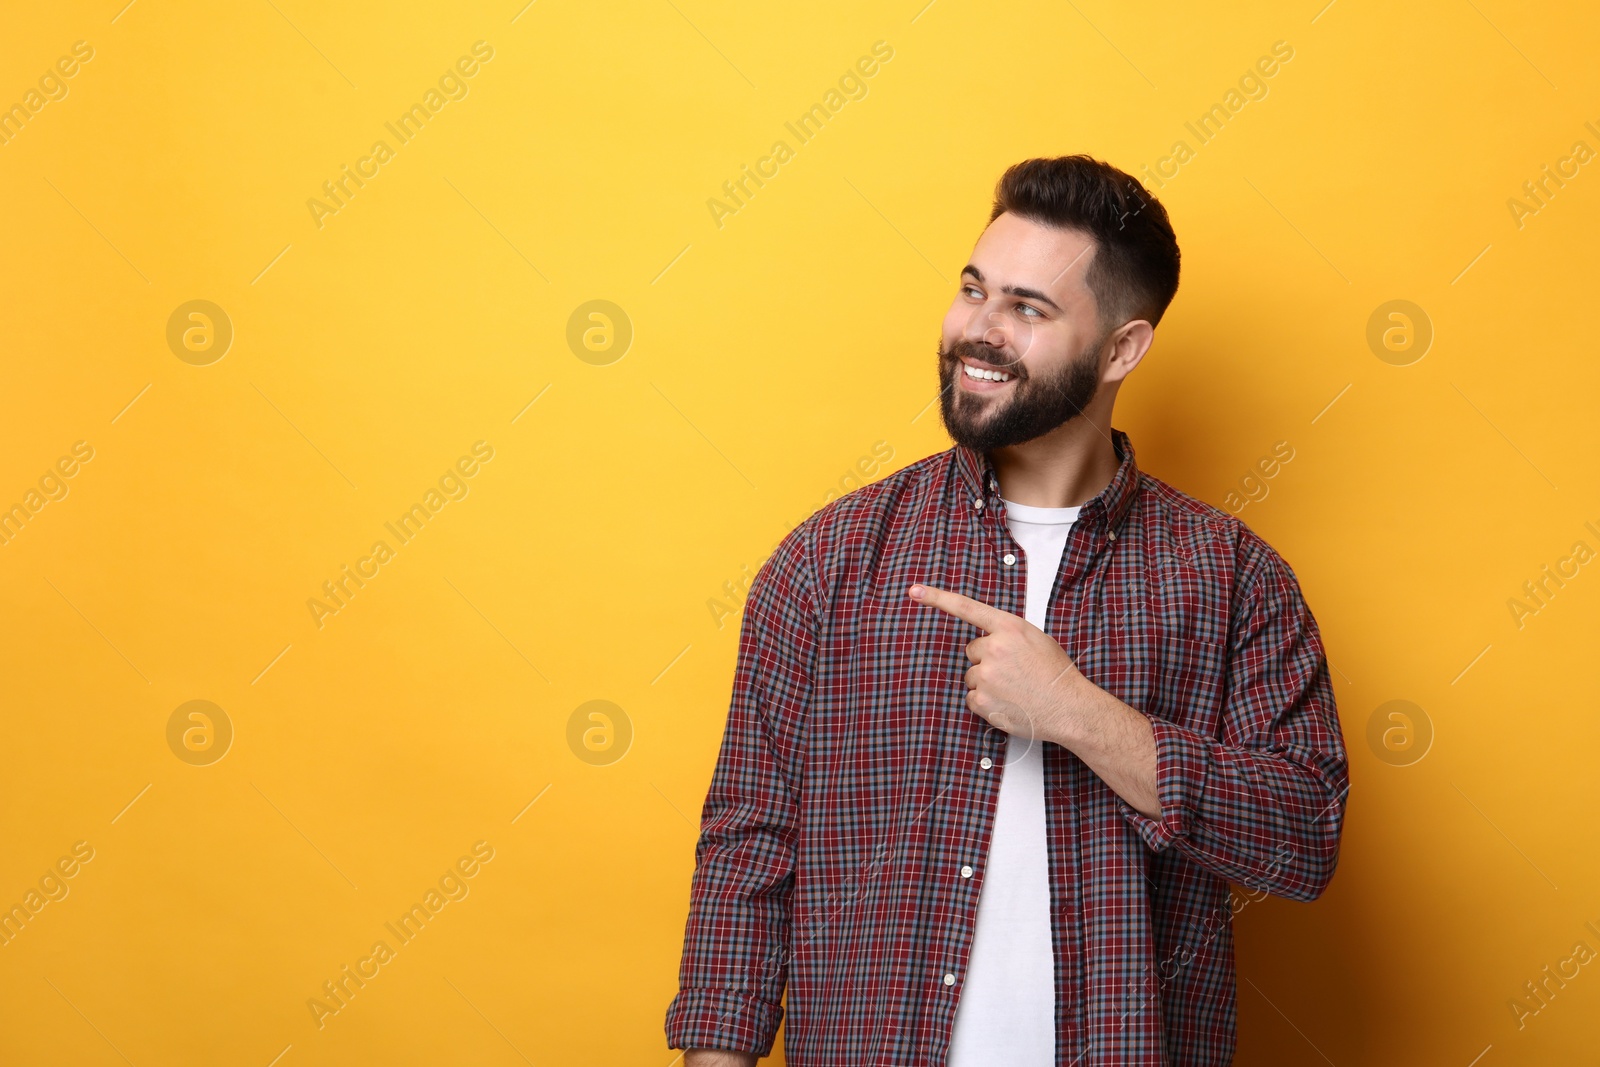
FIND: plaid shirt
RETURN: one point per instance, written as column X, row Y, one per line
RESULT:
column 853, row 783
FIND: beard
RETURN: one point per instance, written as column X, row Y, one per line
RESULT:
column 1036, row 404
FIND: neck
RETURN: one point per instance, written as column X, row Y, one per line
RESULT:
column 1064, row 468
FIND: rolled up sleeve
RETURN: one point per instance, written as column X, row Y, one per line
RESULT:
column 1260, row 803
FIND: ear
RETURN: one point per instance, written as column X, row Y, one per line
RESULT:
column 1127, row 345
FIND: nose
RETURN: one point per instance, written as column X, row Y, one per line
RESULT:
column 1001, row 343
column 986, row 326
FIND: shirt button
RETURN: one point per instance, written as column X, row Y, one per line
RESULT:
column 949, row 979
column 986, row 763
column 1010, row 558
column 966, row 871
column 1112, row 536
column 977, row 505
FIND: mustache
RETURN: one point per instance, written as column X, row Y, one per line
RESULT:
column 982, row 355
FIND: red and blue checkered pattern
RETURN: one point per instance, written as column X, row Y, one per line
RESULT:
column 853, row 782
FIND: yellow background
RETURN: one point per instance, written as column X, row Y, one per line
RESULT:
column 769, row 355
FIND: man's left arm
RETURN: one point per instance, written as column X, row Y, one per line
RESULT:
column 1261, row 804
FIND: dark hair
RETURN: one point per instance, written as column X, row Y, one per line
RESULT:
column 1134, row 271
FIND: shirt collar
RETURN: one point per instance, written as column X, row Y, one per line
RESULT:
column 980, row 482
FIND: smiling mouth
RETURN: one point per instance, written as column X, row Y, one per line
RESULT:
column 983, row 379
column 985, row 374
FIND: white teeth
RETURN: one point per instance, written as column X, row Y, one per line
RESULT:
column 986, row 375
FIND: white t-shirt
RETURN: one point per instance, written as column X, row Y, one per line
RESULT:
column 1006, row 1016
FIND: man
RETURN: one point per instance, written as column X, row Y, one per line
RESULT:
column 1006, row 724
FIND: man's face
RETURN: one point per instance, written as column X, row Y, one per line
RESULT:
column 1024, row 315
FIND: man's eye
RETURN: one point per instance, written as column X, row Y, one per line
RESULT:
column 968, row 289
column 1026, row 307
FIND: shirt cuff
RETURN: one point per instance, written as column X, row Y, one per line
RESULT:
column 722, row 1019
column 1181, row 760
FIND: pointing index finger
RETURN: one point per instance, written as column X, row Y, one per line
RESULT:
column 964, row 608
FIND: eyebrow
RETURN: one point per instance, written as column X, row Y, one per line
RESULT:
column 1014, row 290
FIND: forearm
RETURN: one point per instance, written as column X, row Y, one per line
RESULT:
column 1113, row 739
column 1254, row 816
column 713, row 1057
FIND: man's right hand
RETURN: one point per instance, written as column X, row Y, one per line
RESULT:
column 716, row 1057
